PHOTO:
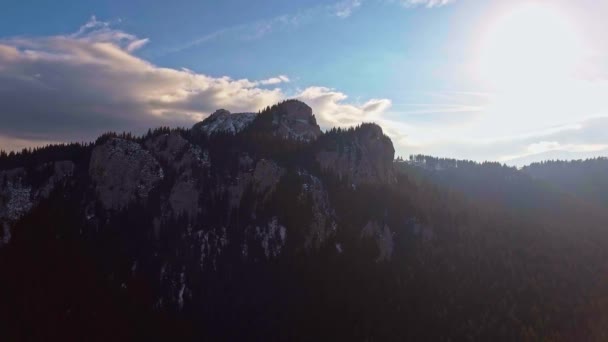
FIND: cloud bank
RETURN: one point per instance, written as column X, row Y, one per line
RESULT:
column 74, row 87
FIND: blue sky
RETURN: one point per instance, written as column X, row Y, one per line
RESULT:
column 482, row 80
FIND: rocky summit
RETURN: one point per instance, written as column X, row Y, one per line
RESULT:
column 235, row 192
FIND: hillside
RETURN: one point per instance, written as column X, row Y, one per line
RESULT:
column 261, row 226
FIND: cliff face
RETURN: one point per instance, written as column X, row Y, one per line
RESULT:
column 294, row 120
column 188, row 183
column 122, row 172
column 234, row 192
column 222, row 121
column 290, row 119
column 364, row 155
column 22, row 189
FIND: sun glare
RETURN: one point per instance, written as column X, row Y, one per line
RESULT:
column 530, row 45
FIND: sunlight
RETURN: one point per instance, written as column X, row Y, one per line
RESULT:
column 531, row 45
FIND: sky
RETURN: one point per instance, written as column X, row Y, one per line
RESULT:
column 514, row 81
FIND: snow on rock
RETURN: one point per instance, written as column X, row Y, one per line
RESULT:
column 383, row 237
column 323, row 215
column 272, row 237
column 15, row 200
column 122, row 172
column 183, row 290
column 339, row 248
column 182, row 157
column 222, row 121
column 212, row 242
column 17, row 196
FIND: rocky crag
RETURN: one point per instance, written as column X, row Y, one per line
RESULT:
column 241, row 188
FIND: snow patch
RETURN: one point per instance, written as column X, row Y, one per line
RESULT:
column 272, row 237
column 223, row 122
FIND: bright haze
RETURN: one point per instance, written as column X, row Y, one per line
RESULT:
column 513, row 81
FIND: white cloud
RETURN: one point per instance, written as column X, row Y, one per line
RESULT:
column 332, row 110
column 75, row 87
column 275, row 80
column 345, row 8
column 137, row 44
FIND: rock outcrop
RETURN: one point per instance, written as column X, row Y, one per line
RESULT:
column 184, row 160
column 222, row 121
column 362, row 155
column 263, row 179
column 294, row 120
column 383, row 236
column 18, row 194
column 15, row 194
column 323, row 224
column 291, row 119
column 122, row 171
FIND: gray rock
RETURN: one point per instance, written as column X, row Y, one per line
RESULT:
column 366, row 156
column 264, row 179
column 294, row 120
column 184, row 197
column 176, row 152
column 222, row 121
column 17, row 197
column 123, row 171
column 266, row 176
column 15, row 194
column 323, row 224
column 384, row 239
column 272, row 238
column 61, row 170
column 182, row 157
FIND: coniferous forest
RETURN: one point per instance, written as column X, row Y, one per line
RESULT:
column 447, row 250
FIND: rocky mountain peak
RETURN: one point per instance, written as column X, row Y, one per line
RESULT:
column 222, row 121
column 291, row 119
column 220, row 113
column 361, row 155
column 294, row 120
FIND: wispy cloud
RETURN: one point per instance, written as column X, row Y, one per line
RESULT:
column 137, row 44
column 345, row 8
column 425, row 3
column 275, row 80
column 263, row 27
column 251, row 31
column 95, row 30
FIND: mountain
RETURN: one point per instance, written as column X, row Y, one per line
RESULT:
column 586, row 179
column 555, row 155
column 263, row 227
